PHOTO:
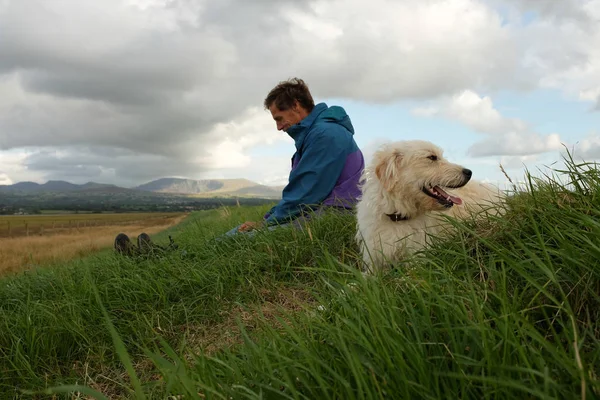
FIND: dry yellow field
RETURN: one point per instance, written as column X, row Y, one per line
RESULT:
column 63, row 242
column 47, row 224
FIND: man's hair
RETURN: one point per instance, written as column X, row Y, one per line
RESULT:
column 286, row 93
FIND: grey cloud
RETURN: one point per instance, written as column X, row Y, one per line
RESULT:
column 516, row 162
column 51, row 124
column 515, row 144
column 155, row 93
column 154, row 82
column 587, row 149
column 104, row 165
column 562, row 10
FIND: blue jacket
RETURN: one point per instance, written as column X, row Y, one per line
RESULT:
column 326, row 167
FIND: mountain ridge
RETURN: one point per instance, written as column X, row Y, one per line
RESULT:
column 182, row 186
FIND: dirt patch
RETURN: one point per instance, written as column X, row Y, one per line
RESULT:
column 274, row 308
column 209, row 339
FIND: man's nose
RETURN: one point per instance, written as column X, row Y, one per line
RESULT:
column 279, row 126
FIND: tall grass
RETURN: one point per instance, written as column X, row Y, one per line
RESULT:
column 50, row 320
column 506, row 308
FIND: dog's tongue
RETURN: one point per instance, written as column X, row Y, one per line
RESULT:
column 454, row 199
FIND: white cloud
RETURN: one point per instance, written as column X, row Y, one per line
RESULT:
column 266, row 170
column 275, row 180
column 479, row 114
column 233, row 139
column 154, row 78
column 12, row 168
column 401, row 49
column 563, row 46
column 504, row 136
column 518, row 162
column 154, row 84
column 4, row 179
column 514, row 143
column 227, row 153
column 586, row 149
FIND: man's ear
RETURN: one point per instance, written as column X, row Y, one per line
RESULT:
column 387, row 170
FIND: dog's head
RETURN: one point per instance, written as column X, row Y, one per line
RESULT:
column 417, row 177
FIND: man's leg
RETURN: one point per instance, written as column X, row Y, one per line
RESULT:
column 123, row 245
column 144, row 243
column 298, row 223
column 233, row 231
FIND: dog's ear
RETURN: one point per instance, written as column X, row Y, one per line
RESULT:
column 388, row 168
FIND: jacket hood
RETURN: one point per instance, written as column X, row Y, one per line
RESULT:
column 337, row 115
column 320, row 113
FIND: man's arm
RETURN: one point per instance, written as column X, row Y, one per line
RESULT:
column 315, row 176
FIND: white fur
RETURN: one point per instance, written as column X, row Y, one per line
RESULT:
column 393, row 183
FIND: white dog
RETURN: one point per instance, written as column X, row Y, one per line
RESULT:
column 405, row 190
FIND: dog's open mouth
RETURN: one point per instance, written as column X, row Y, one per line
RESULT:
column 445, row 199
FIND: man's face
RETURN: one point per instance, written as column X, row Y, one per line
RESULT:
column 287, row 118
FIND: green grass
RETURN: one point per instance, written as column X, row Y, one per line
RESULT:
column 507, row 308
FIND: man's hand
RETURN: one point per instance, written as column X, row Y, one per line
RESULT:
column 250, row 226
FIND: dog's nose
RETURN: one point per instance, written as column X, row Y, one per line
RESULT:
column 467, row 172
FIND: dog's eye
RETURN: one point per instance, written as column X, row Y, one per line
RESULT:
column 433, row 157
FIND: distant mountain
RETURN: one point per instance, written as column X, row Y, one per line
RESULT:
column 32, row 187
column 22, row 186
column 211, row 187
column 178, row 185
column 97, row 186
column 59, row 186
column 257, row 191
column 175, row 186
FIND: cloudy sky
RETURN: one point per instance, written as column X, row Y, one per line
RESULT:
column 126, row 91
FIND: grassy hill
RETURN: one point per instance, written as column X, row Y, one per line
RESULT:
column 505, row 309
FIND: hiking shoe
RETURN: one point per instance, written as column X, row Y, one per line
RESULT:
column 144, row 243
column 123, row 245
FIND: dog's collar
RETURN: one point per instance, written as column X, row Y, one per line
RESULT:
column 397, row 217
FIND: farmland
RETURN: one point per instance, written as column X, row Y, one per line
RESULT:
column 52, row 224
column 31, row 241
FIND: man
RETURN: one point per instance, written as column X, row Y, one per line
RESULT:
column 327, row 165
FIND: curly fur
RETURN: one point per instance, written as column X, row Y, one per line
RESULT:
column 393, row 184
